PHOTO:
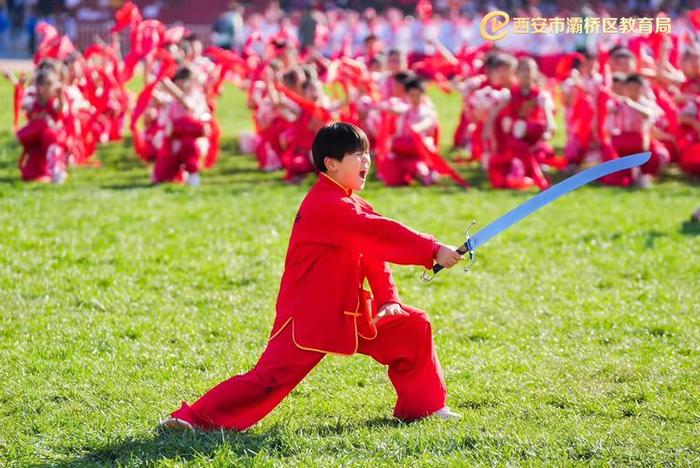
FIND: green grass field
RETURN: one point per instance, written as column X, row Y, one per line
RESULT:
column 575, row 339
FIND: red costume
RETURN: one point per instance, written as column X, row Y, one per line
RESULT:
column 322, row 308
column 690, row 139
column 521, row 141
column 43, row 142
column 185, row 147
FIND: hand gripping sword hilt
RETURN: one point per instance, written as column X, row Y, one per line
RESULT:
column 463, row 249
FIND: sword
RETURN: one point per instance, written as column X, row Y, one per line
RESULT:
column 537, row 202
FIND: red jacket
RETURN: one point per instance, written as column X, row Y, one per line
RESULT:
column 337, row 241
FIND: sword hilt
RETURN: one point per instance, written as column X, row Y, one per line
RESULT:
column 463, row 249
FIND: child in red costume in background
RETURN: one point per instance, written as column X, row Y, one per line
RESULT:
column 187, row 143
column 689, row 117
column 522, row 130
column 337, row 242
column 631, row 117
column 43, row 137
column 417, row 120
column 490, row 94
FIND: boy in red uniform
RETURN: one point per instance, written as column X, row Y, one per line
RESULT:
column 337, row 242
column 417, row 120
column 43, row 137
column 189, row 121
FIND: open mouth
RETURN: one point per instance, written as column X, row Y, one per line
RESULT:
column 363, row 174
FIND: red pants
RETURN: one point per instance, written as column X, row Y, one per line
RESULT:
column 405, row 165
column 631, row 143
column 690, row 159
column 404, row 343
column 37, row 137
column 170, row 164
column 461, row 135
column 400, row 171
column 297, row 163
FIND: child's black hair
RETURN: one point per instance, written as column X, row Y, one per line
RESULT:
column 403, row 76
column 415, row 83
column 291, row 78
column 183, row 73
column 635, row 78
column 377, row 60
column 44, row 76
column 335, row 141
column 371, row 37
column 496, row 60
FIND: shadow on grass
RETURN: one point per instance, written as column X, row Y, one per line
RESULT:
column 186, row 446
column 690, row 228
column 651, row 238
column 183, row 446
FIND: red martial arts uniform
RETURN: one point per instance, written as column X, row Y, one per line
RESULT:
column 406, row 162
column 521, row 141
column 690, row 139
column 337, row 242
column 43, row 142
column 186, row 146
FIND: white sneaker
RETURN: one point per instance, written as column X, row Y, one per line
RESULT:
column 645, row 181
column 446, row 414
column 193, row 179
column 59, row 177
column 176, row 424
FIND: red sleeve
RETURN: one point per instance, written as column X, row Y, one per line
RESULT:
column 188, row 126
column 381, row 281
column 378, row 237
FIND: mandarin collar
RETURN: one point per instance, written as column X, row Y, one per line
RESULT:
column 331, row 181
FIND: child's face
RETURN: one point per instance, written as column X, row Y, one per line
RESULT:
column 526, row 75
column 502, row 76
column 618, row 88
column 398, row 88
column 623, row 64
column 47, row 90
column 352, row 171
column 634, row 91
column 185, row 85
column 394, row 64
column 414, row 96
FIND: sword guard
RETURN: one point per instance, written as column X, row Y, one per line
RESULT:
column 472, row 259
column 472, row 255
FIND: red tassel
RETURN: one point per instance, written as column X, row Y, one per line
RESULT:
column 214, row 141
column 18, row 97
column 433, row 158
column 305, row 104
column 694, row 17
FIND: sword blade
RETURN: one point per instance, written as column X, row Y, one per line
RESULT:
column 552, row 193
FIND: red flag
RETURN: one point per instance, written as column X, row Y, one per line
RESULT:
column 168, row 66
column 694, row 17
column 214, row 141
column 127, row 15
column 305, row 104
column 18, row 96
column 424, row 9
column 174, row 35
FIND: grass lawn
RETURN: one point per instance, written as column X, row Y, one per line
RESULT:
column 575, row 339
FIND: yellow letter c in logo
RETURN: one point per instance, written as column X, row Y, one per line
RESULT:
column 499, row 20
